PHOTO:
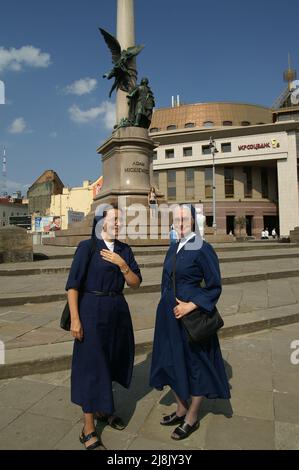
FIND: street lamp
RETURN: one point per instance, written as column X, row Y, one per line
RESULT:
column 213, row 151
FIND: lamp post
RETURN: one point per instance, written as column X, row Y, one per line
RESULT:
column 213, row 151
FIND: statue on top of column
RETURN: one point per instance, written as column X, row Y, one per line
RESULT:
column 140, row 97
column 122, row 72
column 141, row 104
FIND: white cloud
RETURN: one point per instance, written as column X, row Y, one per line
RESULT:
column 18, row 126
column 82, row 86
column 16, row 59
column 106, row 111
column 54, row 134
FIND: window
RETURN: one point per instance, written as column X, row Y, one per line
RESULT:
column 156, row 179
column 226, row 147
column 171, row 184
column 247, row 181
column 206, row 149
column 187, row 151
column 264, row 181
column 189, row 124
column 209, row 220
column 245, row 123
column 229, row 181
column 227, row 123
column 155, row 129
column 169, row 153
column 154, row 155
column 3, row 214
column 208, row 182
column 189, row 183
column 208, row 124
column 171, row 127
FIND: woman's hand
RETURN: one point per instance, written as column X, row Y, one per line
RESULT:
column 76, row 329
column 183, row 308
column 112, row 257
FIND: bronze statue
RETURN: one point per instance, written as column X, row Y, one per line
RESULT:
column 141, row 101
column 124, row 74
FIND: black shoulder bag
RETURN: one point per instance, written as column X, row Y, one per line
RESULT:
column 199, row 324
column 65, row 321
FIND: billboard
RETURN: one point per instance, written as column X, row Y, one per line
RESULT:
column 74, row 216
column 47, row 224
column 21, row 221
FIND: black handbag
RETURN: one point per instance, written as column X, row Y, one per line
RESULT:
column 199, row 324
column 65, row 320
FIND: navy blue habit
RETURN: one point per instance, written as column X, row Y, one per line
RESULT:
column 106, row 353
column 190, row 369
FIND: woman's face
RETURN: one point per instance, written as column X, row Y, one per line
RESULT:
column 113, row 222
column 183, row 221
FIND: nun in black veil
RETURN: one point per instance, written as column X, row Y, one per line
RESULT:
column 101, row 322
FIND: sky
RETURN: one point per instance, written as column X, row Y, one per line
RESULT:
column 52, row 58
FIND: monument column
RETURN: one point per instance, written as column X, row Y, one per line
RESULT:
column 125, row 33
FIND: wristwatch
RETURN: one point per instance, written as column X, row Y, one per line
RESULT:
column 126, row 270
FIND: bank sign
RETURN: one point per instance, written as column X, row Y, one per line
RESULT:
column 273, row 144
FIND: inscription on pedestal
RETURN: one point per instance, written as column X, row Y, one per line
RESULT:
column 137, row 167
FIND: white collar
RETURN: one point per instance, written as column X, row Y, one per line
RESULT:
column 110, row 245
column 184, row 240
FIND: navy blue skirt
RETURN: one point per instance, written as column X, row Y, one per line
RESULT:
column 105, row 355
column 189, row 369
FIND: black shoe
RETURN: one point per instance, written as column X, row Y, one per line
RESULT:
column 183, row 431
column 114, row 421
column 86, row 437
column 172, row 419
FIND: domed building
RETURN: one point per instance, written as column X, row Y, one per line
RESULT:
column 209, row 115
column 255, row 161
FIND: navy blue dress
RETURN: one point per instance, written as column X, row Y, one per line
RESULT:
column 189, row 369
column 106, row 353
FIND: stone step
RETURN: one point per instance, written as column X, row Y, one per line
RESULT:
column 57, row 356
column 32, row 292
column 51, row 266
column 42, row 252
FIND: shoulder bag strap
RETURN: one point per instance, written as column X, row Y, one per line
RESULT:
column 173, row 271
column 92, row 251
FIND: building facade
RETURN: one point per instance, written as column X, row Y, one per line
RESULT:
column 11, row 208
column 256, row 164
column 40, row 192
column 77, row 199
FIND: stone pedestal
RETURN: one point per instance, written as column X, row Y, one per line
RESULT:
column 126, row 162
column 15, row 244
column 126, row 159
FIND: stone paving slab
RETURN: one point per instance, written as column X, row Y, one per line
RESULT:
column 261, row 415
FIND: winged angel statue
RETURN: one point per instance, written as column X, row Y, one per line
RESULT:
column 123, row 72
